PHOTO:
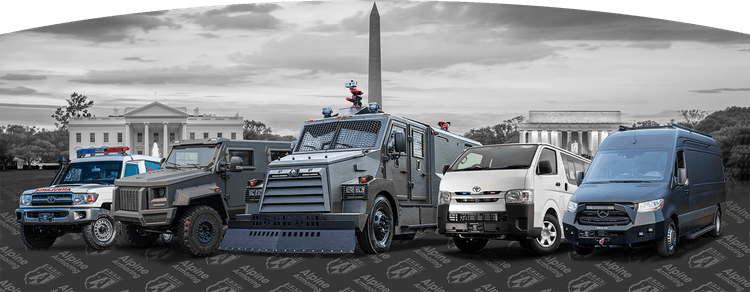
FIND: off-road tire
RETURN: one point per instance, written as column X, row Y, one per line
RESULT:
column 667, row 245
column 583, row 250
column 132, row 236
column 34, row 239
column 199, row 231
column 379, row 228
column 102, row 233
column 470, row 245
column 551, row 231
column 717, row 223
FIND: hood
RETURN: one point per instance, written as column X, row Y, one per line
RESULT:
column 487, row 180
column 72, row 188
column 302, row 159
column 162, row 177
column 619, row 192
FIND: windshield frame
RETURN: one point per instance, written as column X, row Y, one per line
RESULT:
column 107, row 181
column 384, row 126
column 667, row 167
column 468, row 151
column 173, row 164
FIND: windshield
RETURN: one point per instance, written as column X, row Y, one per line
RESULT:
column 339, row 135
column 92, row 172
column 199, row 155
column 639, row 165
column 496, row 157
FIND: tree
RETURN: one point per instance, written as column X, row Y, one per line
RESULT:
column 692, row 117
column 505, row 132
column 257, row 130
column 645, row 124
column 728, row 117
column 731, row 129
column 77, row 107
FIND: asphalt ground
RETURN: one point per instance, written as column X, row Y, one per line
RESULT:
column 429, row 263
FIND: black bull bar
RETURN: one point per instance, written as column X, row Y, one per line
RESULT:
column 292, row 233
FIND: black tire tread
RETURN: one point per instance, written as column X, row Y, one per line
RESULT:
column 131, row 236
column 661, row 247
column 182, row 234
column 90, row 239
column 32, row 243
column 363, row 238
column 714, row 233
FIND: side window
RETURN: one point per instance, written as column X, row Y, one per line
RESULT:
column 550, row 156
column 417, row 144
column 151, row 166
column 679, row 162
column 277, row 154
column 131, row 169
column 246, row 155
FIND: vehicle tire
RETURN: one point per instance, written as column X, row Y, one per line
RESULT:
column 470, row 245
column 136, row 238
column 165, row 239
column 378, row 233
column 36, row 237
column 583, row 250
column 717, row 223
column 665, row 248
column 550, row 238
column 102, row 233
column 199, row 231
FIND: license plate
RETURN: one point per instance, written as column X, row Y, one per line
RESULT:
column 476, row 227
column 46, row 217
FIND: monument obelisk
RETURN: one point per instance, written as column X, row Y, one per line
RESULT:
column 373, row 76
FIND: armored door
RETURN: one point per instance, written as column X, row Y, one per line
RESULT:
column 418, row 164
column 235, row 184
column 397, row 168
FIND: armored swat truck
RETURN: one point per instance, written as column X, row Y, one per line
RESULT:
column 360, row 173
column 190, row 200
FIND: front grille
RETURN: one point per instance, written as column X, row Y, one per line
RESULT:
column 459, row 217
column 59, row 199
column 604, row 215
column 285, row 221
column 294, row 194
column 127, row 198
column 56, row 214
column 480, row 200
column 252, row 195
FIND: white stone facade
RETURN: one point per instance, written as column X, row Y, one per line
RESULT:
column 155, row 122
column 582, row 131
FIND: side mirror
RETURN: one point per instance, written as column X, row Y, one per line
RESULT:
column 235, row 164
column 682, row 177
column 579, row 178
column 545, row 167
column 294, row 145
column 446, row 167
column 399, row 139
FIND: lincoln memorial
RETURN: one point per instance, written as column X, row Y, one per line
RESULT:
column 579, row 131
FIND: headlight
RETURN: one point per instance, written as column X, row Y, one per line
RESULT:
column 80, row 199
column 519, row 197
column 349, row 189
column 359, row 189
column 444, row 198
column 572, row 207
column 650, row 206
column 25, row 200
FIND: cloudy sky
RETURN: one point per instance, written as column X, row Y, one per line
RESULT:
column 471, row 64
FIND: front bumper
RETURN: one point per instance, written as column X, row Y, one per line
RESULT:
column 647, row 229
column 57, row 216
column 147, row 218
column 517, row 221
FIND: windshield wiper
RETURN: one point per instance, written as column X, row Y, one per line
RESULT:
column 195, row 164
column 515, row 166
column 473, row 167
column 175, row 164
column 630, row 181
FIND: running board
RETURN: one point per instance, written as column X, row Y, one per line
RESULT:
column 701, row 232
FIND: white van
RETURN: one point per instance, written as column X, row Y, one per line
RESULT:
column 509, row 192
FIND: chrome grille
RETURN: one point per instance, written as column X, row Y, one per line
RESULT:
column 127, row 198
column 60, row 199
column 497, row 217
column 294, row 194
column 608, row 217
column 252, row 194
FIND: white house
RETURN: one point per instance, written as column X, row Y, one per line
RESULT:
column 138, row 128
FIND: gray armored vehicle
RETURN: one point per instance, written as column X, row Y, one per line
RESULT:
column 190, row 200
column 360, row 173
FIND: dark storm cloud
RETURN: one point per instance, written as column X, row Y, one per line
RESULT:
column 22, row 77
column 193, row 75
column 107, row 29
column 719, row 90
column 240, row 16
column 20, row 90
column 138, row 59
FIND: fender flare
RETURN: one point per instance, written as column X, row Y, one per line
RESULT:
column 187, row 196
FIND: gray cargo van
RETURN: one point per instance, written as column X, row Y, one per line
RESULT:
column 648, row 186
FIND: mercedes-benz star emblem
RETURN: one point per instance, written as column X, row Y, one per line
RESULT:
column 476, row 189
column 293, row 173
column 51, row 199
column 602, row 213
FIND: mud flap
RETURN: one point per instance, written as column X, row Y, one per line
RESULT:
column 329, row 237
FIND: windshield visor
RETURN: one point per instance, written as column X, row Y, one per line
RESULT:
column 339, row 135
column 640, row 165
column 190, row 156
column 495, row 157
column 92, row 172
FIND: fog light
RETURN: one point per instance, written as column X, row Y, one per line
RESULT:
column 80, row 215
column 640, row 234
column 650, row 230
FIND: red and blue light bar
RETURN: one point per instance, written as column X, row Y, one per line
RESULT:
column 103, row 149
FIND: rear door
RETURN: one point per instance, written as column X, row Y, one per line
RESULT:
column 418, row 164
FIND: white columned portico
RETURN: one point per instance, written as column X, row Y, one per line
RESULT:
column 184, row 132
column 534, row 136
column 594, row 141
column 165, row 146
column 127, row 136
column 580, row 143
column 602, row 135
column 145, row 139
column 570, row 140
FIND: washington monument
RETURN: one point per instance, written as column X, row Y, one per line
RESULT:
column 373, row 76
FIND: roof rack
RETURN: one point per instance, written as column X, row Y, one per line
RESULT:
column 673, row 126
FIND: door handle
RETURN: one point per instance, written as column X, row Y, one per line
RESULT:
column 404, row 171
column 557, row 184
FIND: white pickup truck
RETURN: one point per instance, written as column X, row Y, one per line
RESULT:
column 79, row 198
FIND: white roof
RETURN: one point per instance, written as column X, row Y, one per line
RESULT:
column 102, row 157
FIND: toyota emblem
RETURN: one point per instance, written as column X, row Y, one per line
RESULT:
column 476, row 189
column 51, row 199
column 293, row 172
column 602, row 213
